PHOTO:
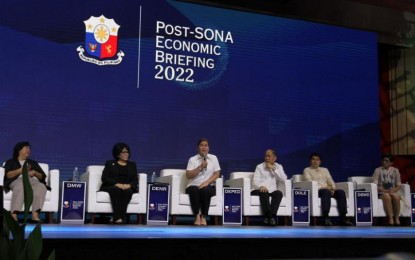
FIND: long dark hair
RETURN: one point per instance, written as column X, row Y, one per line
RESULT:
column 19, row 146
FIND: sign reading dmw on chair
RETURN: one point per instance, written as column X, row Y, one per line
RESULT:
column 73, row 202
column 158, row 204
column 301, row 207
column 363, row 206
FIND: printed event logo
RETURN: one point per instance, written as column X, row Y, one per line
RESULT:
column 66, row 204
column 101, row 42
column 226, row 208
column 152, row 206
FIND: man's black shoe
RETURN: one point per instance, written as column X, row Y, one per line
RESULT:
column 327, row 222
column 346, row 223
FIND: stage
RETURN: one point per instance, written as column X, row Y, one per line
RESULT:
column 101, row 241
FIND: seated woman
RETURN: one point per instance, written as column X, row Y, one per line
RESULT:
column 119, row 179
column 388, row 180
column 202, row 171
column 13, row 180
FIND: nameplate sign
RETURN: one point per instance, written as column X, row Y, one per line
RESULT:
column 232, row 206
column 73, row 202
column 363, row 206
column 158, row 204
column 301, row 207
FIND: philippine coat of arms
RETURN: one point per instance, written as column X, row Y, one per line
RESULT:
column 101, row 42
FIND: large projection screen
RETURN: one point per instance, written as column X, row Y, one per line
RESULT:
column 78, row 76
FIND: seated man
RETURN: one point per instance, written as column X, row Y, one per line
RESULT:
column 327, row 190
column 265, row 185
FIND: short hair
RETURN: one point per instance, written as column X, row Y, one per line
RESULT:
column 387, row 155
column 315, row 154
column 117, row 149
column 19, row 146
column 202, row 140
column 273, row 152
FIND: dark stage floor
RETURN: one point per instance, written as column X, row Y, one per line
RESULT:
column 219, row 242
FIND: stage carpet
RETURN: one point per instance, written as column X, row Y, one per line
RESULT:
column 220, row 242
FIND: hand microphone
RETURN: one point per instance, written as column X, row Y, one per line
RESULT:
column 204, row 159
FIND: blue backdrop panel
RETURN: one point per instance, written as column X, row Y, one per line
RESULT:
column 249, row 82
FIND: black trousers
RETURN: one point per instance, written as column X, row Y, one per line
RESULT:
column 200, row 198
column 269, row 209
column 119, row 200
column 326, row 196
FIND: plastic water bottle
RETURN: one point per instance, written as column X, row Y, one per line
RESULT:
column 75, row 175
column 153, row 177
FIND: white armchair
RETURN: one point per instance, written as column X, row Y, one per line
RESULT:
column 180, row 201
column 51, row 204
column 366, row 183
column 250, row 204
column 299, row 182
column 100, row 202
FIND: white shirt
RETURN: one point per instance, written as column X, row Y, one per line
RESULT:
column 205, row 174
column 321, row 175
column 268, row 178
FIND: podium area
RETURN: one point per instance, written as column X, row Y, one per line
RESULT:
column 95, row 241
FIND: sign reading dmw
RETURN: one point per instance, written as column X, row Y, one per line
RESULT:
column 74, row 185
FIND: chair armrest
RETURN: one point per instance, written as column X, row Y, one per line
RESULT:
column 93, row 181
column 245, row 184
column 347, row 186
column 368, row 187
column 237, row 183
column 174, row 181
column 285, row 187
column 312, row 186
column 142, row 185
column 54, row 176
column 219, row 188
column 303, row 185
column 406, row 193
column 1, row 176
column 84, row 176
column 165, row 179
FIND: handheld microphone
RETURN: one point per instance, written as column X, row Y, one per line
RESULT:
column 204, row 159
